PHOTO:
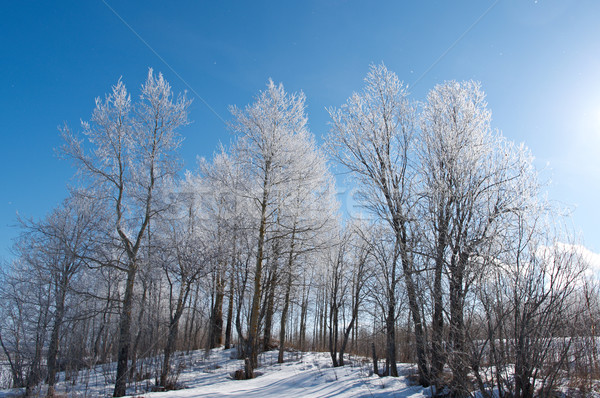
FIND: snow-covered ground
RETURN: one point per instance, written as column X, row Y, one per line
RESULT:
column 302, row 375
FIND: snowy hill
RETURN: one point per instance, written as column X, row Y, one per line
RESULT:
column 308, row 376
column 302, row 375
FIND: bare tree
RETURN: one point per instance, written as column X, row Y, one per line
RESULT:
column 307, row 218
column 183, row 253
column 26, row 296
column 476, row 180
column 532, row 311
column 132, row 152
column 277, row 151
column 57, row 244
column 228, row 215
column 349, row 271
column 372, row 136
column 221, row 202
column 385, row 252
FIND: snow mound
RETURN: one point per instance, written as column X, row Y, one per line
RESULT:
column 302, row 375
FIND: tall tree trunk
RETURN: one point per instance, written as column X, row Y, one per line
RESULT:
column 437, row 337
column 374, row 354
column 413, row 303
column 100, row 353
column 419, row 332
column 284, row 315
column 241, row 289
column 353, row 320
column 345, row 339
column 138, row 337
column 316, row 323
column 251, row 361
column 54, row 338
column 34, row 374
column 216, row 317
column 269, row 310
column 169, row 348
column 172, row 337
column 458, row 362
column 286, row 303
column 390, row 317
column 333, row 333
column 190, row 321
column 324, row 321
column 229, row 316
column 125, row 335
column 390, row 339
column 303, row 314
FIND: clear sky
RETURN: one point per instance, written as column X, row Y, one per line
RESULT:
column 538, row 62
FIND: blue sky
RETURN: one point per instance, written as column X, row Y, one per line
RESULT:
column 538, row 62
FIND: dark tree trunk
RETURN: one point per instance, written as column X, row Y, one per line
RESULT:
column 458, row 362
column 229, row 316
column 125, row 335
column 284, row 314
column 169, row 348
column 303, row 313
column 374, row 353
column 437, row 346
column 413, row 303
column 34, row 374
column 353, row 320
column 54, row 339
column 190, row 322
column 345, row 339
column 251, row 362
column 333, row 332
column 172, row 337
column 216, row 318
column 99, row 342
column 419, row 333
column 324, row 325
column 390, row 316
column 390, row 340
column 317, row 322
column 238, row 314
column 437, row 355
column 138, row 337
column 286, row 303
column 270, row 308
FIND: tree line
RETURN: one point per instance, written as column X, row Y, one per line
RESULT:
column 457, row 262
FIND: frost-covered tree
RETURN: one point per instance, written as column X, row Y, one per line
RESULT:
column 349, row 270
column 372, row 136
column 58, row 245
column 40, row 285
column 475, row 183
column 278, row 153
column 183, row 252
column 533, row 309
column 226, row 212
column 130, row 150
column 26, row 297
column 307, row 213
